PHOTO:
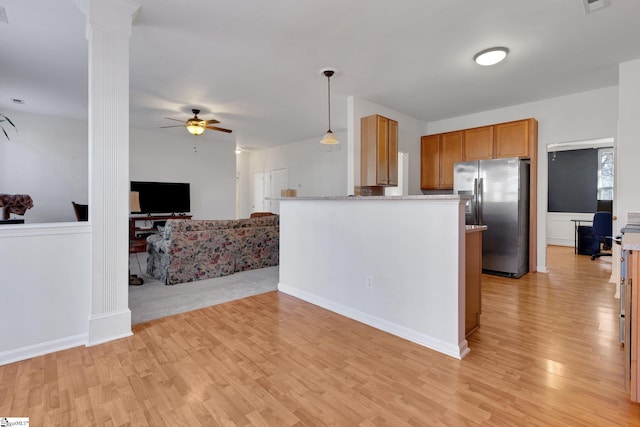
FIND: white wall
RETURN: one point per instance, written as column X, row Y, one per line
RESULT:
column 314, row 169
column 628, row 144
column 46, row 158
column 409, row 132
column 207, row 162
column 44, row 289
column 581, row 116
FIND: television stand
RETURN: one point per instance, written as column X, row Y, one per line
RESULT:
column 138, row 234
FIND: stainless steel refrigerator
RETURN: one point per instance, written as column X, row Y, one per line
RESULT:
column 500, row 190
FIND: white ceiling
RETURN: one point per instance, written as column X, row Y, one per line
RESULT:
column 254, row 65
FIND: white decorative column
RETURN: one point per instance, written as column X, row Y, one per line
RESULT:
column 109, row 25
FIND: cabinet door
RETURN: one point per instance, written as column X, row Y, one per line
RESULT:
column 512, row 139
column 393, row 153
column 633, row 311
column 382, row 155
column 450, row 152
column 478, row 143
column 429, row 162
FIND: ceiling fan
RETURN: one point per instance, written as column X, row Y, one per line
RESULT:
column 197, row 126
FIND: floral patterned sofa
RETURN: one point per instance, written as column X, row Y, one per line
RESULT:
column 189, row 250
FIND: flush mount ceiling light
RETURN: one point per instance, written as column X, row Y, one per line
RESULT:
column 491, row 56
column 329, row 138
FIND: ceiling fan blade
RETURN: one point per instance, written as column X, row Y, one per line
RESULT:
column 173, row 126
column 220, row 129
column 169, row 118
column 211, row 122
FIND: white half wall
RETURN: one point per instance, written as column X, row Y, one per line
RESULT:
column 46, row 158
column 207, row 162
column 561, row 230
column 397, row 265
column 410, row 130
column 44, row 288
column 582, row 116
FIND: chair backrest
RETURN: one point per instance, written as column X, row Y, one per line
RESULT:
column 602, row 224
column 81, row 211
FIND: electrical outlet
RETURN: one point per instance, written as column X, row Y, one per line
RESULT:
column 369, row 282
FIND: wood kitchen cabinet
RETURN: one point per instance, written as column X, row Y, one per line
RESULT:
column 378, row 151
column 632, row 326
column 473, row 279
column 478, row 144
column 513, row 138
column 438, row 153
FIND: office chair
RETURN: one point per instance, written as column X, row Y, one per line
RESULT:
column 81, row 211
column 602, row 229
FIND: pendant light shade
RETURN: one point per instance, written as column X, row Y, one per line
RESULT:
column 329, row 138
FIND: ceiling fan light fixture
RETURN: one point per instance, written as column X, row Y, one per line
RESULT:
column 491, row 56
column 329, row 138
column 196, row 126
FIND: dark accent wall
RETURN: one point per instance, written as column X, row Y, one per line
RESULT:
column 573, row 181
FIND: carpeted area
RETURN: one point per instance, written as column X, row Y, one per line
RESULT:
column 154, row 300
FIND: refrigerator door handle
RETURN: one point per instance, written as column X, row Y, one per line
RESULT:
column 474, row 202
column 480, row 201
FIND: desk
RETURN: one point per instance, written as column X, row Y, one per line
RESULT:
column 576, row 224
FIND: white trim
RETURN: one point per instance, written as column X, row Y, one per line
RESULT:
column 560, row 242
column 541, row 269
column 27, row 352
column 49, row 229
column 578, row 145
column 458, row 352
column 109, row 326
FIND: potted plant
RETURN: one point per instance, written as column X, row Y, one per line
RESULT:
column 4, row 118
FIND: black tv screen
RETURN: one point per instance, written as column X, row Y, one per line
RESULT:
column 163, row 197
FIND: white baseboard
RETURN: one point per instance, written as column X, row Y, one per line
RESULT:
column 109, row 326
column 458, row 352
column 560, row 242
column 27, row 352
column 541, row 269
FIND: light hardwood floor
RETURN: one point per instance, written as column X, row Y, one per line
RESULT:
column 546, row 354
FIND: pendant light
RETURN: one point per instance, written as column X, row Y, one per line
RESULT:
column 329, row 138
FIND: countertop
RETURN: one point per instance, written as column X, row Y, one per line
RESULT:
column 475, row 228
column 631, row 242
column 413, row 197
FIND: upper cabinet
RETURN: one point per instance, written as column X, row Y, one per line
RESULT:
column 478, row 143
column 513, row 138
column 438, row 153
column 378, row 151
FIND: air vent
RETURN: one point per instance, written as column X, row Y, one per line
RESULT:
column 595, row 5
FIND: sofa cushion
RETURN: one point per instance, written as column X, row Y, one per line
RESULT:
column 262, row 221
column 182, row 225
column 196, row 255
column 259, row 247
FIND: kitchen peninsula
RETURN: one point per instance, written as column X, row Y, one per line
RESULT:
column 394, row 263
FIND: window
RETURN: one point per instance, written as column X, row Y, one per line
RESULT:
column 605, row 174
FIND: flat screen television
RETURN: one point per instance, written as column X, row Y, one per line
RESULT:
column 163, row 197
